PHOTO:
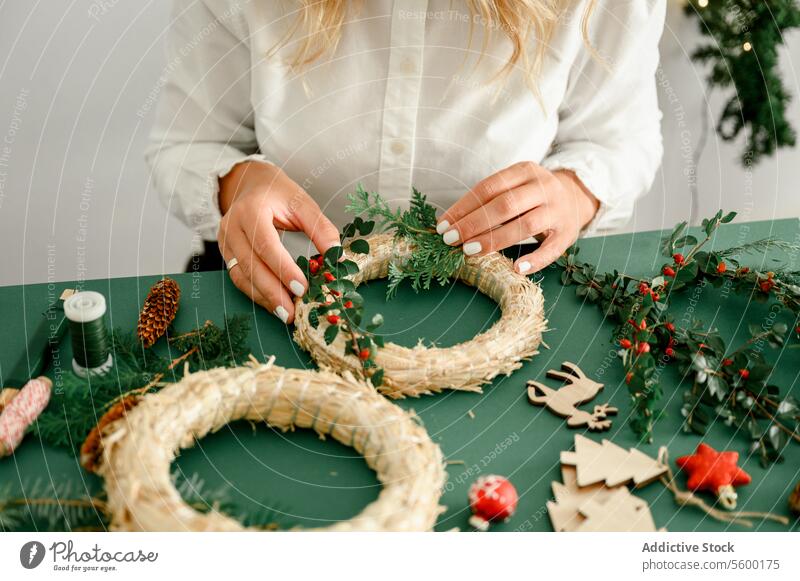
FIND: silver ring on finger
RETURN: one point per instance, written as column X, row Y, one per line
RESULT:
column 231, row 263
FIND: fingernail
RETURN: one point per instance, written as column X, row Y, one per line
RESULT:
column 471, row 248
column 297, row 288
column 282, row 314
column 450, row 237
column 524, row 267
column 442, row 226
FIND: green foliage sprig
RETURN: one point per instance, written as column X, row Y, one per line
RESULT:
column 338, row 303
column 729, row 385
column 77, row 404
column 431, row 260
column 746, row 36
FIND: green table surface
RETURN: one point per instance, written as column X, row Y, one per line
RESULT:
column 309, row 482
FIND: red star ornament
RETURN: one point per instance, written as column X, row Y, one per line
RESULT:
column 716, row 472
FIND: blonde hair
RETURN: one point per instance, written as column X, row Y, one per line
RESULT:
column 320, row 23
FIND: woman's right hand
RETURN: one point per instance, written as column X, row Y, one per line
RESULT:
column 258, row 199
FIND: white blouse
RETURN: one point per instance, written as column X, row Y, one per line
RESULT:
column 404, row 100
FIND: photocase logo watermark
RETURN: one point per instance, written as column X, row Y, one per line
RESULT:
column 65, row 556
column 31, row 554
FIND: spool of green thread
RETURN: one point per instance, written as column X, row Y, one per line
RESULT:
column 91, row 346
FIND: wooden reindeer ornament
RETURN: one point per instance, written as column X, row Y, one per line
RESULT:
column 564, row 401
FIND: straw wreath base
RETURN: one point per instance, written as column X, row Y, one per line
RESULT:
column 139, row 448
column 466, row 366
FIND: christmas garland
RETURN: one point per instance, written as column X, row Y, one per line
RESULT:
column 730, row 385
column 746, row 37
column 142, row 495
column 411, row 250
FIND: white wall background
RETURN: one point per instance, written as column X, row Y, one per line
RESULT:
column 77, row 80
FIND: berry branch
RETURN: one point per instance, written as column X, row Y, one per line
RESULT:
column 727, row 385
column 338, row 302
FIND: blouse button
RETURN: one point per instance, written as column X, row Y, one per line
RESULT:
column 398, row 147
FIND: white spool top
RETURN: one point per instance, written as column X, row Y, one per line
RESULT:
column 85, row 306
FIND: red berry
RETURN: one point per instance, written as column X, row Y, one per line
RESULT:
column 726, row 362
column 313, row 266
column 364, row 354
column 656, row 296
column 643, row 324
column 669, row 351
column 643, row 348
column 670, row 327
column 625, row 343
column 644, row 288
column 721, row 267
column 668, row 271
column 628, row 377
column 797, row 330
column 348, row 304
column 744, row 373
column 678, row 258
column 333, row 319
column 766, row 285
column 329, row 277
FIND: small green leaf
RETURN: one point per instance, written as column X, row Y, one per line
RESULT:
column 728, row 217
column 359, row 246
column 331, row 333
column 333, row 255
column 377, row 377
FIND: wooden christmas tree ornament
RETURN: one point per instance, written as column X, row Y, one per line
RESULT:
column 565, row 512
column 158, row 311
column 564, row 401
column 610, row 464
column 622, row 512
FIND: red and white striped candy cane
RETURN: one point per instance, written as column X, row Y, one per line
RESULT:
column 22, row 411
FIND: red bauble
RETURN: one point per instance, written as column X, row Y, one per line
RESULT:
column 492, row 498
column 714, row 471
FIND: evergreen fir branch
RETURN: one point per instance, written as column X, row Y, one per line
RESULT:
column 744, row 55
column 59, row 506
column 431, row 259
column 77, row 404
column 759, row 247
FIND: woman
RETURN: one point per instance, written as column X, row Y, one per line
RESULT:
column 517, row 118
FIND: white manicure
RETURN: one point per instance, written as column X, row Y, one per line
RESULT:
column 442, row 226
column 450, row 237
column 471, row 248
column 524, row 267
column 297, row 288
column 282, row 314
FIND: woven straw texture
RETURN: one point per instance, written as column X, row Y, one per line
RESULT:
column 467, row 366
column 139, row 448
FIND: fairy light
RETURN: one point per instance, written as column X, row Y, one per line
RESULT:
column 702, row 3
column 747, row 46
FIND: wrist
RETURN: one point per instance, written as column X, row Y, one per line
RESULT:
column 587, row 204
column 242, row 178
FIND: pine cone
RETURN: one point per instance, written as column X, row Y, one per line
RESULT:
column 159, row 310
column 92, row 448
column 794, row 500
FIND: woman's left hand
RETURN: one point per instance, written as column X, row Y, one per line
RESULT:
column 516, row 203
